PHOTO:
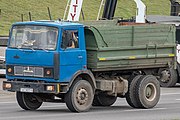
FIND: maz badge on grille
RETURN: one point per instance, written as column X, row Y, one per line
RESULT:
column 28, row 71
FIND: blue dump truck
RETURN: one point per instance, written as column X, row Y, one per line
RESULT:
column 89, row 64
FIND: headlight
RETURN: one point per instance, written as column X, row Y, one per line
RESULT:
column 50, row 88
column 48, row 72
column 10, row 70
column 7, row 86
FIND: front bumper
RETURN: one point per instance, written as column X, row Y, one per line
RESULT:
column 32, row 87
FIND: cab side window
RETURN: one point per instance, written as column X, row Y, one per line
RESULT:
column 70, row 39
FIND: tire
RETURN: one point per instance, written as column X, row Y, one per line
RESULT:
column 168, row 77
column 27, row 101
column 103, row 99
column 96, row 101
column 130, row 95
column 147, row 92
column 80, row 96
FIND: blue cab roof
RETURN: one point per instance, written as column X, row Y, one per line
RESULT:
column 49, row 23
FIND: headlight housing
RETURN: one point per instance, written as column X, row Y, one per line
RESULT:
column 48, row 72
column 10, row 70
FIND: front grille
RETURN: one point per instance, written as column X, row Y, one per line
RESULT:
column 18, row 70
column 28, row 71
column 38, row 72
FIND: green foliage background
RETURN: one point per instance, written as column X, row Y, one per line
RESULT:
column 11, row 10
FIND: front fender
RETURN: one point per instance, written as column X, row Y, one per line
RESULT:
column 85, row 75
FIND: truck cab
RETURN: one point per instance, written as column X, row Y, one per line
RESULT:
column 45, row 57
column 44, row 51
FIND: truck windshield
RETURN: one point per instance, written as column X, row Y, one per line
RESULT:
column 34, row 37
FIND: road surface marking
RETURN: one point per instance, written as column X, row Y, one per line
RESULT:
column 170, row 94
column 137, row 110
column 7, row 102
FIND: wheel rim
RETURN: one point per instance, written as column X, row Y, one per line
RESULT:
column 82, row 96
column 150, row 92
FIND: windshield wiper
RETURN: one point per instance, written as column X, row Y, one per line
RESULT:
column 19, row 48
column 25, row 47
column 32, row 48
column 28, row 43
column 44, row 49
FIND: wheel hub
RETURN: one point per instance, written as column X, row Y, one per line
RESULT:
column 165, row 76
column 150, row 92
column 82, row 96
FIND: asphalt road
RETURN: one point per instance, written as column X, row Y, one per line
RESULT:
column 168, row 108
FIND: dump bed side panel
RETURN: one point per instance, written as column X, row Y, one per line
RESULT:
column 129, row 47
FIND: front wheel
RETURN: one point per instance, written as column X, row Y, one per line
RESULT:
column 28, row 101
column 80, row 96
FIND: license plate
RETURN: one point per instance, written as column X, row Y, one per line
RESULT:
column 30, row 90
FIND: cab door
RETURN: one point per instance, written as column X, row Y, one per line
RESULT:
column 71, row 55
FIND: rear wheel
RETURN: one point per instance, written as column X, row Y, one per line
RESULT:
column 168, row 77
column 130, row 95
column 147, row 91
column 80, row 96
column 28, row 101
column 103, row 99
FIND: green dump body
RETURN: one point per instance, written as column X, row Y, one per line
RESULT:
column 111, row 46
